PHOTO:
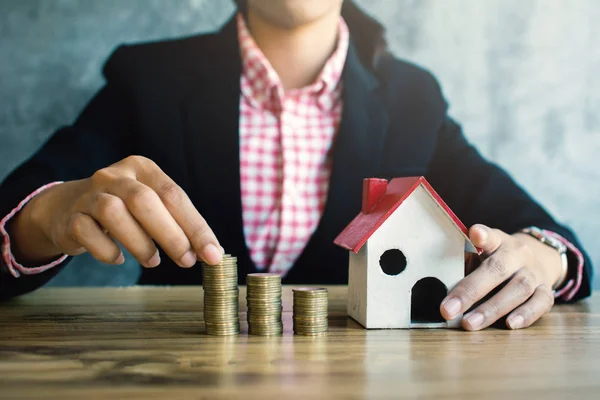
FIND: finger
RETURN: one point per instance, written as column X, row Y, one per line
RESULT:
column 496, row 269
column 85, row 230
column 113, row 215
column 520, row 288
column 539, row 304
column 203, row 240
column 472, row 261
column 485, row 238
column 152, row 215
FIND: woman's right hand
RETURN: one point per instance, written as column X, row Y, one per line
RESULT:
column 132, row 202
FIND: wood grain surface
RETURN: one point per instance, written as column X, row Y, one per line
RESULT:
column 150, row 343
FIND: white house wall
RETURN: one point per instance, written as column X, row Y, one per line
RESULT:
column 433, row 248
column 357, row 286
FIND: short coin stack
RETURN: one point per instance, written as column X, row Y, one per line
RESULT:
column 310, row 311
column 263, row 297
column 221, row 295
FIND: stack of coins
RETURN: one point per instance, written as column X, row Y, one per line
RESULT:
column 221, row 295
column 264, row 304
column 310, row 311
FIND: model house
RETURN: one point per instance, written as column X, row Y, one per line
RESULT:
column 407, row 249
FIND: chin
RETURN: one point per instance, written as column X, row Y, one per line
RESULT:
column 293, row 13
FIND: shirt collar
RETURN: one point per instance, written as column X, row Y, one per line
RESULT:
column 262, row 84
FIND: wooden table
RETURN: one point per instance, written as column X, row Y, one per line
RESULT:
column 150, row 343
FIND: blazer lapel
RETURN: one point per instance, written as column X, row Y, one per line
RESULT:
column 356, row 155
column 359, row 144
column 210, row 115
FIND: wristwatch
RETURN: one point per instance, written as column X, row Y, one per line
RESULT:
column 556, row 244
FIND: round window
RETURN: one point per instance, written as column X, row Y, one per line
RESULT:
column 392, row 262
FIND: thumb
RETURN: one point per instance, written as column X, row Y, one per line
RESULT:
column 485, row 238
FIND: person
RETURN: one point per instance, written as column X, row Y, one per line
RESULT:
column 255, row 140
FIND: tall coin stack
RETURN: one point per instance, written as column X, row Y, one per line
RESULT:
column 221, row 295
column 263, row 297
column 310, row 311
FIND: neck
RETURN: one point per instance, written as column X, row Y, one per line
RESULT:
column 297, row 54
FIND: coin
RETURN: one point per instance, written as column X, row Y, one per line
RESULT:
column 263, row 298
column 221, row 295
column 310, row 311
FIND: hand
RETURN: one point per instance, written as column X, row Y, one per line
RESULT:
column 133, row 202
column 527, row 267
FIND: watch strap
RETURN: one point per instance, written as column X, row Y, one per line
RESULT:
column 556, row 244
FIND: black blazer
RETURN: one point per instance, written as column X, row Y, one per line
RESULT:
column 177, row 103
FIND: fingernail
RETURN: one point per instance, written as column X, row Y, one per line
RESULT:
column 452, row 306
column 474, row 319
column 222, row 250
column 154, row 261
column 120, row 260
column 516, row 322
column 212, row 254
column 188, row 260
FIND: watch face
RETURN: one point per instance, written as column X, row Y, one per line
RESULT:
column 547, row 239
column 557, row 244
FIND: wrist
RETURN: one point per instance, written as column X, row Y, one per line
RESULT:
column 30, row 243
column 549, row 260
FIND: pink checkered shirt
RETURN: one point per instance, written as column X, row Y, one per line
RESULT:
column 285, row 143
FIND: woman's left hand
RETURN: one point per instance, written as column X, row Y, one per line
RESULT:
column 528, row 267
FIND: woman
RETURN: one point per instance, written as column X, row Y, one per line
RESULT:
column 256, row 140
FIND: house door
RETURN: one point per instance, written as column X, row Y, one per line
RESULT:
column 427, row 295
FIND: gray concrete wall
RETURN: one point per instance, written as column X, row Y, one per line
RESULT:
column 521, row 75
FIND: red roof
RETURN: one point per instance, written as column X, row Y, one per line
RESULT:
column 356, row 234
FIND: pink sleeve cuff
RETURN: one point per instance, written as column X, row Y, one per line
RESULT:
column 571, row 287
column 14, row 267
